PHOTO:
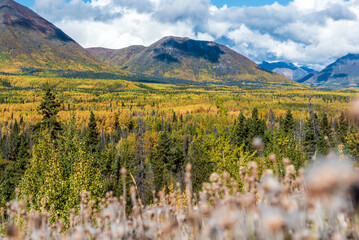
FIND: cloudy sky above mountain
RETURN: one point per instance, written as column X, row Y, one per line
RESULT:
column 308, row 32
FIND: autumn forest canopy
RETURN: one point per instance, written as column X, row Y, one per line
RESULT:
column 83, row 145
column 57, row 143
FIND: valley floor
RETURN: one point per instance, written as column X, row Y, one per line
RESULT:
column 113, row 158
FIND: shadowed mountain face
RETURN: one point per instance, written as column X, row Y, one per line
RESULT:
column 343, row 73
column 187, row 59
column 29, row 41
column 190, row 48
column 289, row 70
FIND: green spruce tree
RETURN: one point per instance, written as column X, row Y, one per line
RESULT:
column 240, row 132
column 288, row 123
column 161, row 161
column 202, row 166
column 49, row 108
column 92, row 138
column 309, row 142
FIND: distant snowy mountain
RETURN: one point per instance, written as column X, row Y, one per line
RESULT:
column 289, row 70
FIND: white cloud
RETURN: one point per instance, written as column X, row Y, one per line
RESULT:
column 180, row 10
column 132, row 29
column 312, row 32
column 311, row 5
column 204, row 37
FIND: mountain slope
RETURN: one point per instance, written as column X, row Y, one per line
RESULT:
column 27, row 41
column 114, row 57
column 289, row 70
column 343, row 73
column 191, row 60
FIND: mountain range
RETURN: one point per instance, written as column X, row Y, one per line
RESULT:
column 192, row 60
column 29, row 44
column 289, row 70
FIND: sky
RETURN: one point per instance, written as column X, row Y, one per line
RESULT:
column 305, row 32
column 220, row 3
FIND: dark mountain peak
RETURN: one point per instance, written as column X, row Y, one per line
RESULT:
column 15, row 15
column 32, row 42
column 172, row 49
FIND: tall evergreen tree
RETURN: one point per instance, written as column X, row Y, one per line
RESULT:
column 49, row 108
column 256, row 127
column 202, row 166
column 309, row 142
column 92, row 138
column 166, row 160
column 288, row 122
column 240, row 130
